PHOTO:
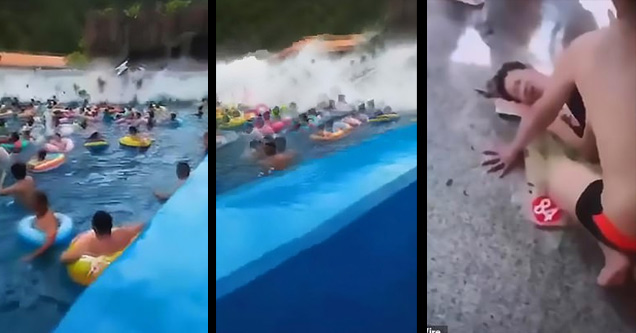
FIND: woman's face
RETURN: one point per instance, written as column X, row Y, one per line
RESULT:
column 522, row 85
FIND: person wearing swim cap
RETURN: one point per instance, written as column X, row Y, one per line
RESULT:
column 102, row 240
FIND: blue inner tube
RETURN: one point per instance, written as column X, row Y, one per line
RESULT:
column 32, row 236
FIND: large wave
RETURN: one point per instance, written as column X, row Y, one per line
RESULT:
column 70, row 85
column 389, row 77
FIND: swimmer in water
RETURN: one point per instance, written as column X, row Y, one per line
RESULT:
column 103, row 240
column 4, row 131
column 277, row 158
column 183, row 172
column 17, row 144
column 57, row 141
column 45, row 221
column 41, row 156
column 199, row 113
column 95, row 137
column 23, row 188
column 133, row 133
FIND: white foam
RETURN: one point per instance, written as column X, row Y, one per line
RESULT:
column 42, row 84
column 391, row 78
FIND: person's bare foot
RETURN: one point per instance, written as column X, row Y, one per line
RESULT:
column 616, row 269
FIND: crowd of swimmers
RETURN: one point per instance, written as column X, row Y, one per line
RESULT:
column 31, row 122
column 266, row 128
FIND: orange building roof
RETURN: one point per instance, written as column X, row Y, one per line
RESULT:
column 329, row 43
column 23, row 60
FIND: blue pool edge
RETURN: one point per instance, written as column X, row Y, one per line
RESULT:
column 371, row 172
column 160, row 283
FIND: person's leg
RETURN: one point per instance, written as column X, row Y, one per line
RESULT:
column 572, row 184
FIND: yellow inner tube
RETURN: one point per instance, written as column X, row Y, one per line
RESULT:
column 384, row 117
column 87, row 269
column 96, row 144
column 129, row 141
column 234, row 122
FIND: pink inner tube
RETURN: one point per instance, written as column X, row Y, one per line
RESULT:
column 280, row 125
column 266, row 130
column 352, row 121
column 51, row 148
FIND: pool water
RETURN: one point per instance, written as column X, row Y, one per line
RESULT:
column 233, row 171
column 34, row 296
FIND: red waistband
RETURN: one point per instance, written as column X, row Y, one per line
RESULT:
column 614, row 235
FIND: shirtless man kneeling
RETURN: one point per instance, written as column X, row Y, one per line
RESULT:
column 103, row 240
column 601, row 65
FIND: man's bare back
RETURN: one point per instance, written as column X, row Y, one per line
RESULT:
column 22, row 190
column 605, row 73
column 89, row 244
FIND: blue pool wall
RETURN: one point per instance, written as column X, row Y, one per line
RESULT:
column 160, row 283
column 329, row 247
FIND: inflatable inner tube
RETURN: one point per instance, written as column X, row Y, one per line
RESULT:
column 96, row 145
column 337, row 135
column 33, row 236
column 68, row 146
column 51, row 162
column 234, row 123
column 87, row 269
column 129, row 141
column 385, row 118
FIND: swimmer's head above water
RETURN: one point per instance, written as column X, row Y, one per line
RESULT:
column 19, row 171
column 132, row 130
column 40, row 203
column 183, row 170
column 102, row 224
column 41, row 155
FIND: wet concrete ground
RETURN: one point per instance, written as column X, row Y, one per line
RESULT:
column 488, row 269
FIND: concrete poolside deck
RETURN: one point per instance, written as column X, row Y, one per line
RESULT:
column 488, row 270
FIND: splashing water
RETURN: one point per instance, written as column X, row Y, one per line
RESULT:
column 389, row 78
column 65, row 84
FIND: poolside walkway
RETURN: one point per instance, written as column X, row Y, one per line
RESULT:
column 488, row 270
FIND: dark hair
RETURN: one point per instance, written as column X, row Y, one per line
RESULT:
column 496, row 87
column 93, row 136
column 42, row 155
column 281, row 144
column 102, row 223
column 270, row 148
column 40, row 199
column 173, row 116
column 15, row 137
column 255, row 143
column 19, row 171
column 183, row 170
column 132, row 130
